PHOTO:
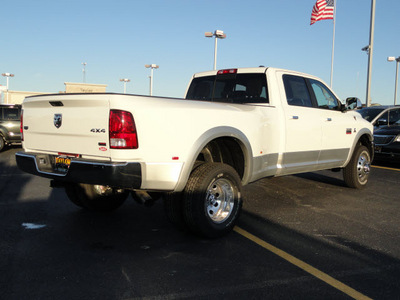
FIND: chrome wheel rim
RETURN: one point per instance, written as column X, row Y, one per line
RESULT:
column 220, row 200
column 363, row 167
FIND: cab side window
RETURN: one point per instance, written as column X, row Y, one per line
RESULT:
column 394, row 116
column 296, row 89
column 325, row 98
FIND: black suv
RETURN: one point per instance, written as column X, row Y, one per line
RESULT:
column 386, row 121
column 10, row 116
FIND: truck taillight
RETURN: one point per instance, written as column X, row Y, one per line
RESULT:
column 122, row 130
column 21, row 128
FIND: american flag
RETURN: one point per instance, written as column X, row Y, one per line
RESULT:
column 322, row 10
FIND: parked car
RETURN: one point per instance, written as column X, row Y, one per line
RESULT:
column 386, row 121
column 10, row 122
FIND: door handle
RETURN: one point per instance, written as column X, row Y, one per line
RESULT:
column 295, row 117
column 329, row 119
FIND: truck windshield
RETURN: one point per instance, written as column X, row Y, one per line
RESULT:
column 369, row 113
column 231, row 88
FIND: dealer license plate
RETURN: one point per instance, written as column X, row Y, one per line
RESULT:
column 62, row 163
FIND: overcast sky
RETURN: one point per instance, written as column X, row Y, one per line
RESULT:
column 44, row 43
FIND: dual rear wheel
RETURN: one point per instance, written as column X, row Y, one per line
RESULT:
column 210, row 203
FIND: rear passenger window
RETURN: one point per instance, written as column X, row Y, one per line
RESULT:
column 296, row 90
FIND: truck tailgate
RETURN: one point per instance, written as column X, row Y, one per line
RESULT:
column 75, row 124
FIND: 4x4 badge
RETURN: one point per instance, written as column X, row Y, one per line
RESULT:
column 57, row 120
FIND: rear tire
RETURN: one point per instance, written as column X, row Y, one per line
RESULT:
column 212, row 200
column 96, row 197
column 173, row 208
column 356, row 173
column 2, row 143
column 73, row 195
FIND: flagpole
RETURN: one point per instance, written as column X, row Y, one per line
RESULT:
column 333, row 39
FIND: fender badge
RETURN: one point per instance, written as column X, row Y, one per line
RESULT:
column 57, row 120
column 348, row 130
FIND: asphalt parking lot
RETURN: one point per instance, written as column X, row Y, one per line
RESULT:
column 300, row 237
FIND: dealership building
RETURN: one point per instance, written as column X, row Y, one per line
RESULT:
column 17, row 97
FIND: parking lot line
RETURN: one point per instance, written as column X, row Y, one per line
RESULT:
column 302, row 265
column 386, row 168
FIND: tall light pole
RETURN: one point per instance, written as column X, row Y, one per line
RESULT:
column 7, row 75
column 370, row 52
column 125, row 80
column 218, row 34
column 392, row 58
column 84, row 72
column 152, row 67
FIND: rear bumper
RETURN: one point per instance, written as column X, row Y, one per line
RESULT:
column 122, row 175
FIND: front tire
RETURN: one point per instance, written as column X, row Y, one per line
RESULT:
column 356, row 173
column 96, row 197
column 212, row 199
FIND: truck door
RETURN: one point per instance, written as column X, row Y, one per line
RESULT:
column 338, row 128
column 303, row 127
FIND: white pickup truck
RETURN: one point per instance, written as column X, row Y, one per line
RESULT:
column 234, row 126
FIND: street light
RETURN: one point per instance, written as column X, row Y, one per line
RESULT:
column 218, row 34
column 84, row 71
column 152, row 67
column 7, row 75
column 125, row 80
column 392, row 58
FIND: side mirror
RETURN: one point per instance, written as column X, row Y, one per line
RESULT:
column 353, row 103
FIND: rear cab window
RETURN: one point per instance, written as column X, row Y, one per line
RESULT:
column 230, row 87
column 9, row 114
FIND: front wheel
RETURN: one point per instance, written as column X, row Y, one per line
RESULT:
column 96, row 197
column 356, row 173
column 212, row 199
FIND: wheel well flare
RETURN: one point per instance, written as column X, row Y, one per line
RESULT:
column 225, row 150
